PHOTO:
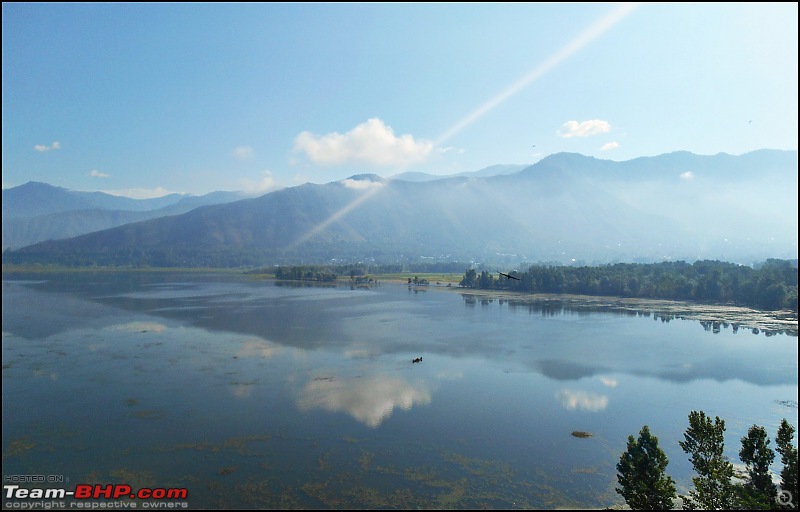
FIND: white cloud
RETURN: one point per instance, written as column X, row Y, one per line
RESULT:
column 261, row 186
column 688, row 176
column 361, row 184
column 43, row 148
column 139, row 193
column 609, row 146
column 371, row 142
column 97, row 174
column 609, row 382
column 300, row 178
column 584, row 128
column 243, row 153
column 582, row 400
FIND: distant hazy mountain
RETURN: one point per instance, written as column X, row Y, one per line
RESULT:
column 34, row 212
column 493, row 170
column 565, row 208
column 34, row 198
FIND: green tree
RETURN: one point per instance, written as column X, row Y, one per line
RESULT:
column 705, row 442
column 642, row 478
column 470, row 276
column 759, row 492
column 788, row 453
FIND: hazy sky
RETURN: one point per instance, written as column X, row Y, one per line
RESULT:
column 144, row 99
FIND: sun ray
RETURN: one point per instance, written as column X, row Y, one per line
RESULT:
column 336, row 215
column 583, row 39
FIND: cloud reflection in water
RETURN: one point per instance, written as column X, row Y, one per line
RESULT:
column 582, row 400
column 139, row 327
column 255, row 347
column 369, row 400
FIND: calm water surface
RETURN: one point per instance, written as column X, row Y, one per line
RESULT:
column 254, row 395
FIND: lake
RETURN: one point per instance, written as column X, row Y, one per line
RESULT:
column 257, row 394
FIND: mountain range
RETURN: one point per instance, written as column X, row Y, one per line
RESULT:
column 35, row 211
column 567, row 208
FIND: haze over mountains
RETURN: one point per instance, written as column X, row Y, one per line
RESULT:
column 35, row 211
column 567, row 208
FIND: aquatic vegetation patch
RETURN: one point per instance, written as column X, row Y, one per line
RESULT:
column 19, row 447
column 242, row 445
column 266, row 494
column 150, row 414
column 136, row 479
column 323, row 462
column 365, row 460
column 188, row 446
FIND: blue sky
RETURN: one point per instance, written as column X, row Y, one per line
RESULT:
column 145, row 99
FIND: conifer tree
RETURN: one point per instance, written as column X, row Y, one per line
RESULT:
column 704, row 441
column 642, row 478
column 788, row 453
column 759, row 491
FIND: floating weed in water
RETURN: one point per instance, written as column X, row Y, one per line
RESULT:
column 581, row 434
column 367, row 497
column 365, row 460
column 356, row 478
column 242, row 444
column 19, row 447
column 351, row 440
column 136, row 479
column 191, row 446
column 150, row 414
column 452, row 498
column 261, row 495
column 324, row 460
column 462, row 482
column 130, row 402
column 478, row 467
column 426, row 475
column 316, row 490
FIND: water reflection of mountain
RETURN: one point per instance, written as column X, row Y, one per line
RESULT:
column 390, row 321
column 712, row 318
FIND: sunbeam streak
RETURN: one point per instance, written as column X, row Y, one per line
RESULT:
column 337, row 215
column 583, row 39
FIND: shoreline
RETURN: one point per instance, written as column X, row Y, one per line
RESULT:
column 719, row 316
column 714, row 315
